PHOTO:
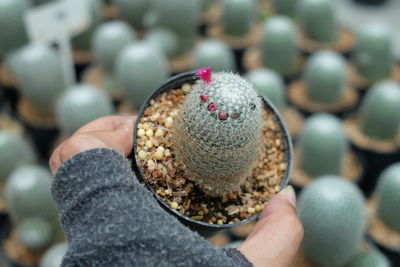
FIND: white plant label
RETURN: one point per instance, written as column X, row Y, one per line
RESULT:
column 56, row 22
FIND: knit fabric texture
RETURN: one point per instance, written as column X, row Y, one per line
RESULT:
column 110, row 219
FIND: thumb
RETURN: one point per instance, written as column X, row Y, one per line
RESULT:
column 276, row 237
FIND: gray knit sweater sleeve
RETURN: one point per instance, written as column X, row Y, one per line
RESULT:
column 110, row 219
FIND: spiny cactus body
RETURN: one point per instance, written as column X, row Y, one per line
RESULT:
column 133, row 11
column 216, row 54
column 80, row 105
column 369, row 258
column 373, row 54
column 332, row 212
column 325, row 77
column 319, row 20
column 82, row 41
column 35, row 233
column 108, row 41
column 285, row 7
column 54, row 255
column 12, row 28
column 388, row 197
column 379, row 112
column 218, row 132
column 141, row 68
column 27, row 195
column 238, row 16
column 40, row 61
column 164, row 38
column 15, row 151
column 269, row 85
column 279, row 44
column 323, row 145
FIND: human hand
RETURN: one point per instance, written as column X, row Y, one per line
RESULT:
column 276, row 237
column 114, row 132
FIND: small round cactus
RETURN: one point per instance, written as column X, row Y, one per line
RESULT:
column 15, row 151
column 83, row 40
column 218, row 132
column 108, row 41
column 319, row 20
column 27, row 194
column 164, row 38
column 285, row 7
column 54, row 255
column 379, row 112
column 238, row 16
column 323, row 145
column 373, row 54
column 12, row 28
column 369, row 258
column 269, row 85
column 35, row 233
column 388, row 197
column 40, row 61
column 325, row 77
column 80, row 105
column 216, row 54
column 133, row 11
column 141, row 67
column 332, row 212
column 279, row 44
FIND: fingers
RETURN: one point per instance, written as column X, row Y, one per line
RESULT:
column 278, row 234
column 115, row 132
column 105, row 123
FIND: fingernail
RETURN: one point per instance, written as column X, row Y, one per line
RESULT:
column 290, row 195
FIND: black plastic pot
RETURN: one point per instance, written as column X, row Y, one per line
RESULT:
column 370, row 2
column 376, row 162
column 204, row 229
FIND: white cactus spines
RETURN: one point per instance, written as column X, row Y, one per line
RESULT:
column 27, row 194
column 54, row 255
column 325, row 77
column 15, row 151
column 108, row 41
column 388, row 197
column 379, row 114
column 216, row 54
column 141, row 68
column 40, row 61
column 80, row 105
column 279, row 44
column 218, row 132
column 331, row 210
column 270, row 85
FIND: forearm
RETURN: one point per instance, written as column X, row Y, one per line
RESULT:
column 112, row 220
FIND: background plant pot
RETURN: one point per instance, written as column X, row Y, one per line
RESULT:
column 202, row 228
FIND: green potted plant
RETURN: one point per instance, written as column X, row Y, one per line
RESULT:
column 384, row 222
column 36, row 106
column 214, row 53
column 285, row 7
column 140, row 67
column 133, row 11
column 200, row 146
column 374, row 130
column 80, row 105
column 323, row 87
column 332, row 212
column 373, row 58
column 270, row 85
column 34, row 216
column 109, row 39
column 322, row 148
column 369, row 257
column 164, row 38
column 321, row 29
